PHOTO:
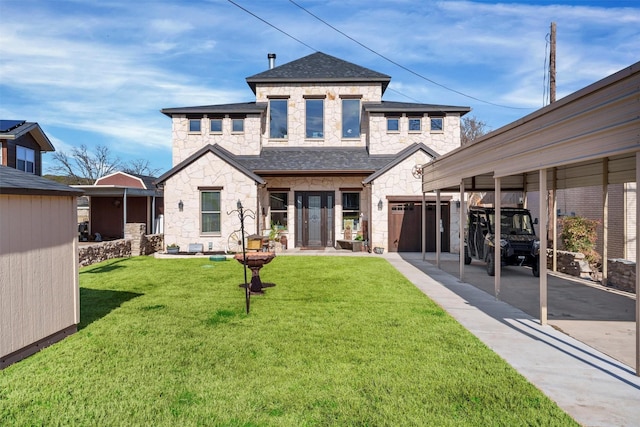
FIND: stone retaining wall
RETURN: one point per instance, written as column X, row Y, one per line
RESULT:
column 135, row 243
column 622, row 275
column 102, row 251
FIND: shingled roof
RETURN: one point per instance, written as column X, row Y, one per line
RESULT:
column 305, row 161
column 237, row 108
column 13, row 181
column 318, row 68
column 14, row 129
column 412, row 107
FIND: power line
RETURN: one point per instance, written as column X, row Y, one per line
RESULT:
column 271, row 25
column 402, row 66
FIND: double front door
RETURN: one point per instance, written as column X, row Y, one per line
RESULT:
column 314, row 219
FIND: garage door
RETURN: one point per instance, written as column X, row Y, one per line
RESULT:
column 405, row 227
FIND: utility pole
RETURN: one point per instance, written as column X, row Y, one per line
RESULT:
column 552, row 65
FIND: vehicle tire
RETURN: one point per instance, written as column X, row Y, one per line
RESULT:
column 491, row 264
column 535, row 268
column 467, row 258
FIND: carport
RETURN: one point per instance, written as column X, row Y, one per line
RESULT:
column 589, row 138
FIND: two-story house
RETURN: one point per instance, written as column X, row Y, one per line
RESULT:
column 318, row 154
column 22, row 144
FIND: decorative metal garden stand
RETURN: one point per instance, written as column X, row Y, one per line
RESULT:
column 253, row 260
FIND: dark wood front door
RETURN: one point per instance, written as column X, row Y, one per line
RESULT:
column 314, row 219
column 405, row 227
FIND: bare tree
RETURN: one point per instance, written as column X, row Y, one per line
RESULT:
column 140, row 167
column 471, row 129
column 84, row 166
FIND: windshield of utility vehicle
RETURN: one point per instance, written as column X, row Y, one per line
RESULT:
column 515, row 223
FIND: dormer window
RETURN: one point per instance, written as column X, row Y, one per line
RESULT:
column 278, row 118
column 25, row 159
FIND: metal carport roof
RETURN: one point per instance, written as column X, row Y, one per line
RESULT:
column 589, row 138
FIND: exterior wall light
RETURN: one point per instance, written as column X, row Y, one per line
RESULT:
column 380, row 204
column 180, row 206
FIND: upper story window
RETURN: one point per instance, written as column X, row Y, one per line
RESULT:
column 350, row 118
column 415, row 124
column 393, row 124
column 25, row 159
column 315, row 118
column 209, row 212
column 278, row 118
column 194, row 125
column 215, row 125
column 437, row 124
column 237, row 125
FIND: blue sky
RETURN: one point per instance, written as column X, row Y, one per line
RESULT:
column 98, row 72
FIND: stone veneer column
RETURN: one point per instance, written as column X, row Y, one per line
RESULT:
column 135, row 232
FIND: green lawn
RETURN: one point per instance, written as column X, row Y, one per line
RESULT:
column 339, row 341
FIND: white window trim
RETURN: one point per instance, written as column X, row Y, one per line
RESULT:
column 237, row 132
column 436, row 130
column 409, row 124
column 194, row 132
column 216, row 132
column 26, row 151
column 202, row 211
column 387, row 124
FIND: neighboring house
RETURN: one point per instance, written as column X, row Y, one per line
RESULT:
column 22, row 144
column 120, row 198
column 318, row 154
column 39, row 293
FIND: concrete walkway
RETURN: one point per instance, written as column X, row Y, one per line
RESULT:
column 595, row 389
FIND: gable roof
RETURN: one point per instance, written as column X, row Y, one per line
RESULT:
column 318, row 68
column 14, row 129
column 14, row 181
column 125, row 179
column 404, row 154
column 412, row 107
column 236, row 108
column 216, row 150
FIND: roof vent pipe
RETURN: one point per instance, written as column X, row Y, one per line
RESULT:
column 272, row 60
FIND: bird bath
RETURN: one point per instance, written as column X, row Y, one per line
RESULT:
column 255, row 261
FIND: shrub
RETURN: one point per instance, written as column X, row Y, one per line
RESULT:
column 579, row 235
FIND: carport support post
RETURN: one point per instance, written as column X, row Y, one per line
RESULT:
column 542, row 233
column 637, row 264
column 438, row 232
column 462, row 222
column 498, row 235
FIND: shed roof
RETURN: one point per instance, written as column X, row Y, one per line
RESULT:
column 13, row 181
column 318, row 68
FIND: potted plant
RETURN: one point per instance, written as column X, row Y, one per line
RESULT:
column 173, row 248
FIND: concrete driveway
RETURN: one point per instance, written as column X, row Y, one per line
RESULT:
column 600, row 317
